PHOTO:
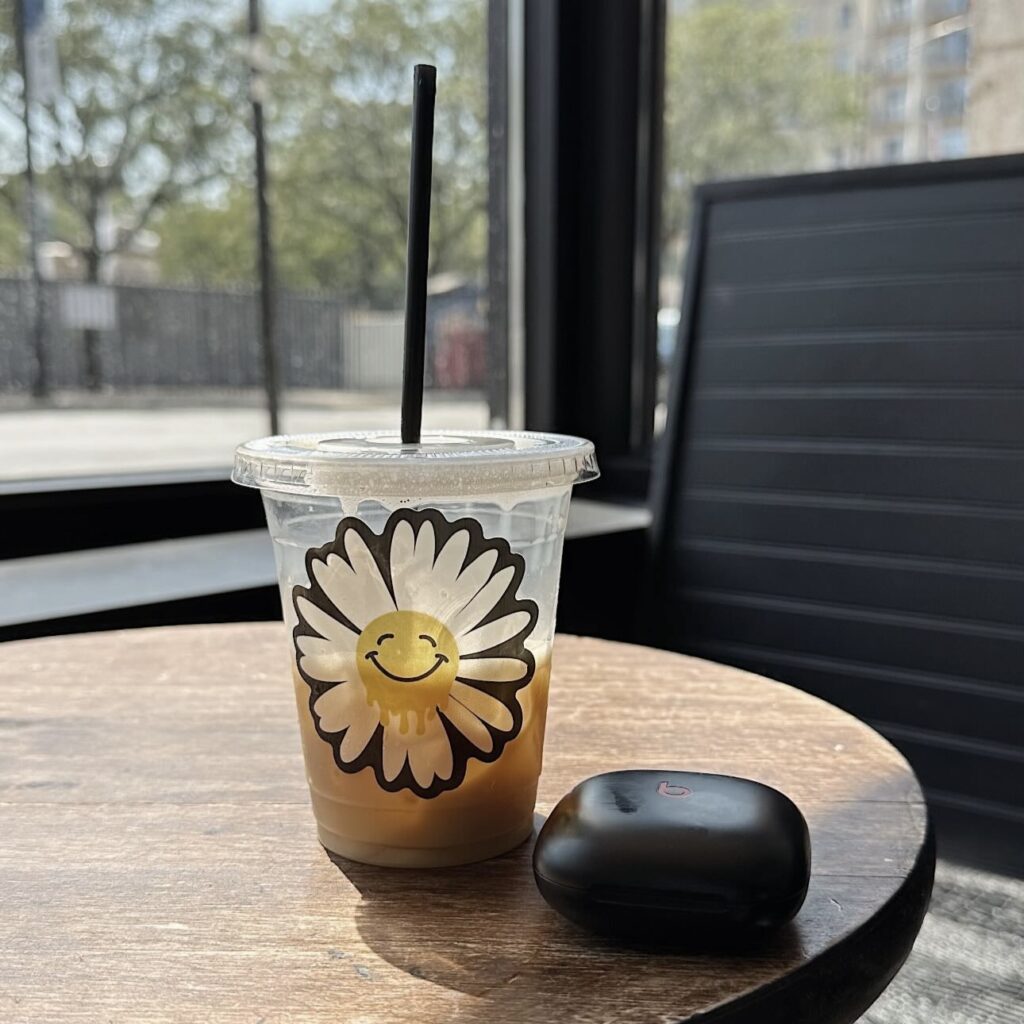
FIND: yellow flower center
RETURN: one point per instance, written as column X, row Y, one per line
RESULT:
column 407, row 661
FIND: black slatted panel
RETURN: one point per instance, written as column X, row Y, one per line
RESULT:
column 842, row 485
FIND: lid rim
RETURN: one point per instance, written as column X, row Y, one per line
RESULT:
column 450, row 463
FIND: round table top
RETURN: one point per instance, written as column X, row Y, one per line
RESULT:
column 159, row 859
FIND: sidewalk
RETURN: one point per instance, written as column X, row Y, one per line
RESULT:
column 169, row 434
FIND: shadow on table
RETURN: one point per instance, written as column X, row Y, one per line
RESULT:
column 484, row 930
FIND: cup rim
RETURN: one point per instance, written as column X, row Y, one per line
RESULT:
column 446, row 463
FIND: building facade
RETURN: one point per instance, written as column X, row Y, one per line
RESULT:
column 939, row 79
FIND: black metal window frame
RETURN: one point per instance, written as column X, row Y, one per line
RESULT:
column 594, row 101
column 44, row 517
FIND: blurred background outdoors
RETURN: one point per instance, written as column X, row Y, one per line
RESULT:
column 143, row 350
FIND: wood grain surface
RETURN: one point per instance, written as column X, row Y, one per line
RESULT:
column 159, row 862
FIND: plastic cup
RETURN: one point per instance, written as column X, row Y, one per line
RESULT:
column 419, row 585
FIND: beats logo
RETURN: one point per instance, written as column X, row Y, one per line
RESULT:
column 667, row 789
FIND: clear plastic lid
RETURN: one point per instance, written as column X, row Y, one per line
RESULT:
column 371, row 463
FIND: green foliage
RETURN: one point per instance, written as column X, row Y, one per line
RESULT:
column 155, row 128
column 149, row 115
column 338, row 113
column 213, row 244
column 13, row 244
column 340, row 117
column 12, row 241
column 744, row 96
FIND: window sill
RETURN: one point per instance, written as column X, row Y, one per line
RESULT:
column 47, row 587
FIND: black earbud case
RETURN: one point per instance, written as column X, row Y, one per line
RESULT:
column 674, row 856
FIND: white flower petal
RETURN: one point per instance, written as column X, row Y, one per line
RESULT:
column 321, row 659
column 315, row 645
column 344, row 589
column 403, row 547
column 472, row 578
column 371, row 595
column 396, row 746
column 469, row 725
column 328, row 669
column 410, row 567
column 333, row 575
column 364, row 724
column 341, row 706
column 492, row 670
column 449, row 562
column 425, row 548
column 326, row 625
column 423, row 561
column 431, row 753
column 493, row 633
column 483, row 603
column 484, row 706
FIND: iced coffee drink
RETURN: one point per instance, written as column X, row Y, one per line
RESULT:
column 419, row 586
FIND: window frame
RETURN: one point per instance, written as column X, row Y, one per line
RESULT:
column 46, row 516
column 594, row 100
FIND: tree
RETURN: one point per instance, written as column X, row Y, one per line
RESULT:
column 744, row 96
column 12, row 232
column 150, row 114
column 339, row 114
column 339, row 108
column 12, row 238
column 209, row 242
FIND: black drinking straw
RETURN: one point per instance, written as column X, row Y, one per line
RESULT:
column 424, row 79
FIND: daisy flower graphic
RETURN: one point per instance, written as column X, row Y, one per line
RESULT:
column 412, row 644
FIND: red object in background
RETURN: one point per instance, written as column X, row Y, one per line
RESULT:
column 460, row 357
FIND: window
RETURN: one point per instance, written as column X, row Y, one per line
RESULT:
column 894, row 56
column 146, row 350
column 953, row 143
column 948, row 99
column 939, row 10
column 895, row 11
column 746, row 95
column 947, row 51
column 892, row 149
column 895, row 102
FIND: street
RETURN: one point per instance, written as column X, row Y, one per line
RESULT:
column 107, row 435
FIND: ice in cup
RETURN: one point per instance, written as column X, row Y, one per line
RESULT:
column 419, row 585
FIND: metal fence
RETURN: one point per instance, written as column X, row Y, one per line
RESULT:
column 147, row 336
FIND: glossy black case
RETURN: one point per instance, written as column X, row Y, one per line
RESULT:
column 674, row 857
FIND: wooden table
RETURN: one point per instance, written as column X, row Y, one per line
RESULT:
column 158, row 859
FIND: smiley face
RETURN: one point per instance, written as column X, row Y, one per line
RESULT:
column 407, row 661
